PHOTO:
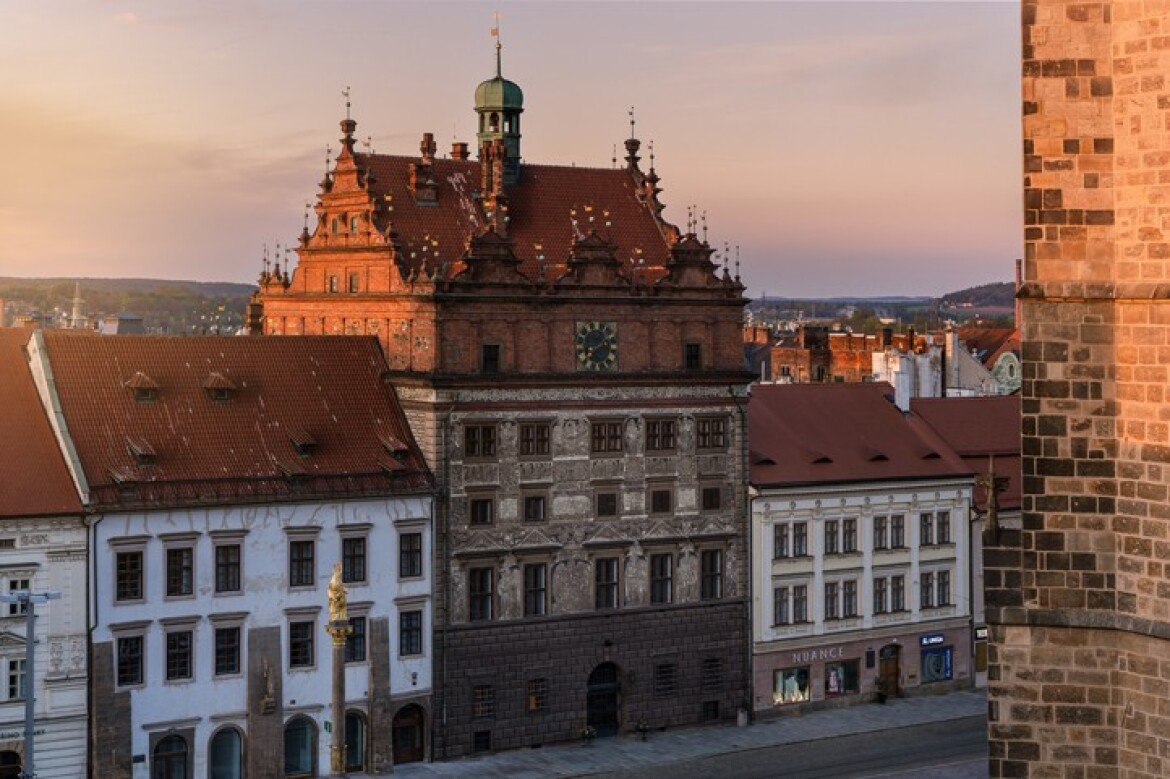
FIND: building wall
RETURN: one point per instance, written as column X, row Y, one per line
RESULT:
column 1078, row 655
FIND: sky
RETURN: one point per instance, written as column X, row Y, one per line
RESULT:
column 847, row 148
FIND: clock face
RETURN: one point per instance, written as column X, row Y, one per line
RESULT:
column 597, row 346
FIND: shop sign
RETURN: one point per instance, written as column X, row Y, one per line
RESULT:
column 810, row 655
column 981, row 633
column 13, row 735
column 932, row 639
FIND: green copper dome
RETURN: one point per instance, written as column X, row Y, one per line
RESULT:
column 499, row 93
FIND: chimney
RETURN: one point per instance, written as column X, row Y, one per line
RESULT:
column 1019, row 284
column 887, row 337
column 459, row 151
column 427, row 148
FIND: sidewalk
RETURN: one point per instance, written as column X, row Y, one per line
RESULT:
column 614, row 754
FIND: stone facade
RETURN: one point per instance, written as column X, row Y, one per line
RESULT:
column 1078, row 598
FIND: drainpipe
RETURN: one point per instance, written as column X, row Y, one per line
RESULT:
column 442, row 503
column 745, row 502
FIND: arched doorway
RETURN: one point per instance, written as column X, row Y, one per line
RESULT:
column 170, row 759
column 888, row 671
column 225, row 755
column 300, row 748
column 10, row 765
column 603, row 702
column 355, row 741
column 409, row 730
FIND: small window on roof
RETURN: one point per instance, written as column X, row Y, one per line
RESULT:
column 141, row 450
column 219, row 387
column 395, row 447
column 302, row 441
column 145, row 389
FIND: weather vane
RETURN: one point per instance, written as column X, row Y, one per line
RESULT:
column 346, row 93
column 631, row 121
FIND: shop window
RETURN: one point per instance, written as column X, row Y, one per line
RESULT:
column 842, row 678
column 790, row 685
column 937, row 664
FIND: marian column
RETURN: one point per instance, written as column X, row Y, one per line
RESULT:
column 339, row 629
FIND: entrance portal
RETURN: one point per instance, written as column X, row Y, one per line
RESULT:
column 409, row 746
column 888, row 671
column 603, row 705
column 10, row 767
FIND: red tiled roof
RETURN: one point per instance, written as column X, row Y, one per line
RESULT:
column 239, row 448
column 541, row 209
column 34, row 480
column 988, row 343
column 804, row 434
column 978, row 429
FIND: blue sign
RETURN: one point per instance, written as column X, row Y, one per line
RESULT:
column 932, row 639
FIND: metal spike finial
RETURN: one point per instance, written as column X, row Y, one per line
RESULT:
column 737, row 262
column 368, row 143
column 496, row 35
column 726, row 254
column 307, row 207
column 346, row 92
column 651, row 154
column 704, row 222
column 615, row 155
column 328, row 156
column 632, row 122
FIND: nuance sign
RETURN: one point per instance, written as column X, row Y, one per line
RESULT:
column 810, row 655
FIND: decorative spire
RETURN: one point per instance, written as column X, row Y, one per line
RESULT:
column 632, row 146
column 703, row 220
column 345, row 92
column 499, row 46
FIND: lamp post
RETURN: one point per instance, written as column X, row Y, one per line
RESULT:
column 29, row 600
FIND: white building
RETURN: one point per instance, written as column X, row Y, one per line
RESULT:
column 42, row 549
column 225, row 477
column 861, row 573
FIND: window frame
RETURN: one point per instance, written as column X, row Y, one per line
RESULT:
column 832, row 536
column 711, row 574
column 302, row 569
column 660, row 499
column 179, row 654
column 535, row 440
column 607, row 437
column 480, row 441
column 535, row 506
column 218, row 650
column 356, row 641
column 351, row 560
column 711, row 497
column 184, row 577
column 661, row 578
column 410, row 636
column 130, row 585
column 535, row 589
column 302, row 647
column 224, row 569
column 661, row 435
column 122, row 643
column 711, row 433
column 481, row 599
column 481, row 509
column 411, row 564
column 692, row 356
column 606, row 495
column 606, row 584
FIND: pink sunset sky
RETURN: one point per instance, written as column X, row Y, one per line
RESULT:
column 864, row 148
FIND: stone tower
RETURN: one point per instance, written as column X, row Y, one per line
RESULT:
column 1079, row 598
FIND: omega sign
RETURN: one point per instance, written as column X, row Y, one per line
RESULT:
column 808, row 656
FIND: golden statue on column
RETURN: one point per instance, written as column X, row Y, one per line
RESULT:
column 339, row 629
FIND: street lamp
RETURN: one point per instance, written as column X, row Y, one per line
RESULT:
column 29, row 599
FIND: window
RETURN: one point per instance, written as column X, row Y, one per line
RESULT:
column 178, row 665
column 880, row 600
column 848, row 535
column 926, row 590
column 334, row 286
column 534, row 439
column 607, row 504
column 781, row 612
column 926, row 530
column 880, row 538
column 130, row 660
column 800, row 539
column 353, row 224
column 780, row 542
column 693, row 357
column 355, row 642
column 849, row 598
column 661, row 578
column 790, row 685
column 944, row 588
column 605, row 572
column 790, row 604
column 897, row 531
column 711, row 433
column 482, row 510
column 712, row 498
column 301, row 568
column 333, row 225
column 17, row 681
column 300, row 644
column 943, row 527
column 225, row 754
column 410, row 633
column 534, row 508
column 711, row 580
column 832, row 604
column 661, row 500
column 842, row 678
column 355, row 282
column 606, row 437
column 489, row 358
column 537, row 695
column 937, row 664
column 227, row 568
column 300, row 747
column 129, row 576
column 479, row 441
column 660, row 435
column 535, row 590
column 483, row 700
column 481, row 741
column 353, row 559
column 19, row 608
column 665, row 680
column 711, row 674
column 227, row 651
column 180, row 571
column 410, row 556
column 897, row 593
column 800, row 603
column 832, row 539
column 479, row 593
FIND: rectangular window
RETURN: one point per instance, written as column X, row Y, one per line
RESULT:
column 353, row 224
column 880, row 539
column 300, row 644
column 944, row 588
column 410, row 555
column 848, row 535
column 711, row 433
column 711, row 581
column 897, row 593
column 605, row 575
column 479, row 441
column 130, row 660
column 842, row 678
column 537, row 695
column 937, row 664
column 483, row 700
column 926, row 530
column 693, row 360
column 490, row 358
column 410, row 633
column 180, row 571
column 534, row 439
column 178, row 665
column 849, row 598
column 334, row 285
column 790, row 685
column 665, row 680
column 897, row 531
column 779, row 542
column 355, row 281
column 355, row 642
column 926, row 590
column 481, row 741
column 711, row 675
column 831, row 602
column 482, row 511
column 943, row 527
column 781, row 614
column 129, row 576
column 301, row 567
column 480, row 590
column 535, row 590
column 353, row 560
column 227, row 651
column 17, row 681
column 832, row 539
column 800, row 603
column 19, row 608
column 660, row 501
column 661, row 578
column 659, row 435
column 227, row 568
column 712, row 498
column 606, row 437
column 534, row 508
column 880, row 601
column 607, row 504
column 800, row 539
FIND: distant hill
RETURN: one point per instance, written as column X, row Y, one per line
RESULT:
column 1001, row 294
column 165, row 306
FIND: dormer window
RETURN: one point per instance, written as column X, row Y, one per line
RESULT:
column 353, row 225
column 396, row 448
column 304, row 443
column 141, row 450
column 334, row 225
column 145, row 389
column 219, row 388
